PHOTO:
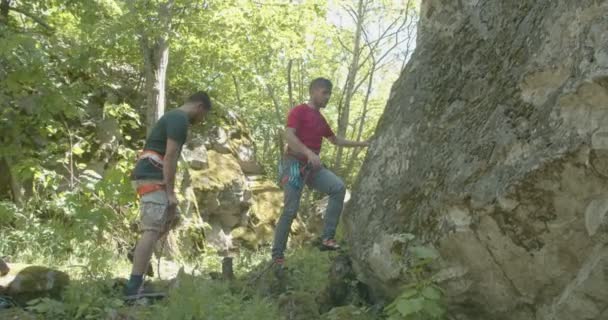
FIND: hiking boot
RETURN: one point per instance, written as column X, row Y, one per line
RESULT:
column 149, row 270
column 329, row 245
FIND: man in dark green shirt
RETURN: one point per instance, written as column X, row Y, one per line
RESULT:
column 154, row 179
column 173, row 125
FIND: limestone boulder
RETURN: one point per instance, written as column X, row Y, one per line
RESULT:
column 494, row 150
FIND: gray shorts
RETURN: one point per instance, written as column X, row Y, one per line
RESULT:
column 154, row 213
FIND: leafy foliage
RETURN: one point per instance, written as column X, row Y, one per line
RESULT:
column 422, row 299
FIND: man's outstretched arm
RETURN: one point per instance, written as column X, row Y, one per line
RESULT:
column 339, row 141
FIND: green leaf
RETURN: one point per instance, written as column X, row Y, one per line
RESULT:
column 431, row 292
column 434, row 309
column 77, row 150
column 92, row 174
column 408, row 307
column 423, row 252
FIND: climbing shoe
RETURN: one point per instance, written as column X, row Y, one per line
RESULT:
column 329, row 245
column 278, row 265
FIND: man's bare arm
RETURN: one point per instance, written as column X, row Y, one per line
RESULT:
column 170, row 164
column 339, row 141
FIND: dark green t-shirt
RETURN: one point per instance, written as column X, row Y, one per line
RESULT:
column 174, row 125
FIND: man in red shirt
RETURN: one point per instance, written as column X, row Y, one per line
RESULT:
column 306, row 128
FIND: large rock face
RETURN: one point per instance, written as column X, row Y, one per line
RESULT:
column 494, row 149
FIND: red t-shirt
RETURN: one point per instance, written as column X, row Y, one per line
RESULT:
column 311, row 127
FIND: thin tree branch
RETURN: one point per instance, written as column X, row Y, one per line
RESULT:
column 343, row 45
column 33, row 17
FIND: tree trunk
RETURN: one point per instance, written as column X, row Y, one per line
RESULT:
column 355, row 152
column 4, row 6
column 238, row 92
column 277, row 109
column 156, row 60
column 227, row 268
column 344, row 115
column 13, row 184
column 301, row 82
column 266, row 145
column 289, row 84
column 6, row 192
column 4, row 269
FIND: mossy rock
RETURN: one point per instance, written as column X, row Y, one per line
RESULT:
column 265, row 210
column 267, row 201
column 298, row 305
column 26, row 282
column 223, row 170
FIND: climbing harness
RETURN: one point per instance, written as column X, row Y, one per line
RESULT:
column 156, row 159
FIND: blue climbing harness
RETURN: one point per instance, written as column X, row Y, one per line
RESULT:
column 292, row 172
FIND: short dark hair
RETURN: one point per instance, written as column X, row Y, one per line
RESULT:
column 201, row 97
column 320, row 82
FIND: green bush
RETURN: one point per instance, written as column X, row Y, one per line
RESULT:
column 422, row 298
column 86, row 223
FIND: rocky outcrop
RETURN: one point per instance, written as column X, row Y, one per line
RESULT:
column 494, row 149
column 223, row 186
